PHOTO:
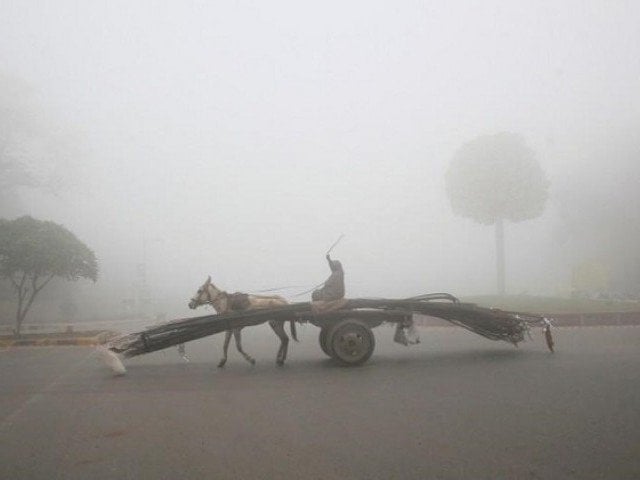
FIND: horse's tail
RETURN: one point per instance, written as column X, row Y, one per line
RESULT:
column 294, row 333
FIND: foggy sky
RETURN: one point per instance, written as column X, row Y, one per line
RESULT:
column 240, row 139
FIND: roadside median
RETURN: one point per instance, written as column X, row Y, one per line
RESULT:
column 86, row 338
column 604, row 319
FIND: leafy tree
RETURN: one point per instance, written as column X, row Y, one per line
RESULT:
column 494, row 178
column 32, row 252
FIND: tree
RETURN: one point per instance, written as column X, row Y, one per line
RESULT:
column 32, row 252
column 496, row 178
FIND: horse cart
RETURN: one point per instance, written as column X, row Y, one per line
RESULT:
column 346, row 330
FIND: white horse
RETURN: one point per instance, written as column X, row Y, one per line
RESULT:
column 224, row 302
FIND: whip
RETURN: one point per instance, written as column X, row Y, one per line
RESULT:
column 320, row 284
column 335, row 243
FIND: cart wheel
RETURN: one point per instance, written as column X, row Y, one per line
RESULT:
column 324, row 341
column 352, row 342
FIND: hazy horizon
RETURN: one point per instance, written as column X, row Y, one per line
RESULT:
column 240, row 140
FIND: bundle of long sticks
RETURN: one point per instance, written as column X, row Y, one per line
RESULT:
column 490, row 323
column 187, row 329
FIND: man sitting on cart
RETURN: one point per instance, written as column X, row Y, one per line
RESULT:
column 331, row 295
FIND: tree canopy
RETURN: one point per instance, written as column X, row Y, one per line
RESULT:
column 496, row 177
column 32, row 252
column 43, row 248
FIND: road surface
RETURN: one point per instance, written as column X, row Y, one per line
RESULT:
column 457, row 406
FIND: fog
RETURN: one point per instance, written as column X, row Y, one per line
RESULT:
column 241, row 139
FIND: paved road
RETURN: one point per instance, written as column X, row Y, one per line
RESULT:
column 455, row 407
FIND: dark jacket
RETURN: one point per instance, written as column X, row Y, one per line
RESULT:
column 333, row 288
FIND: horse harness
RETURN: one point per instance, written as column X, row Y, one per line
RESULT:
column 235, row 301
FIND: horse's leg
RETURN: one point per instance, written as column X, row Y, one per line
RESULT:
column 237, row 334
column 278, row 327
column 225, row 348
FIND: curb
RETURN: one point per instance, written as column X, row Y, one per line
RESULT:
column 613, row 319
column 53, row 340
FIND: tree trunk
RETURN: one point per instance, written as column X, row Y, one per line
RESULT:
column 19, row 320
column 21, row 313
column 500, row 255
column 23, row 292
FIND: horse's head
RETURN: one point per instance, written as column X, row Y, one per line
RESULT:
column 203, row 295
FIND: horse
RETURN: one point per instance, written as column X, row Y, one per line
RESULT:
column 224, row 302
